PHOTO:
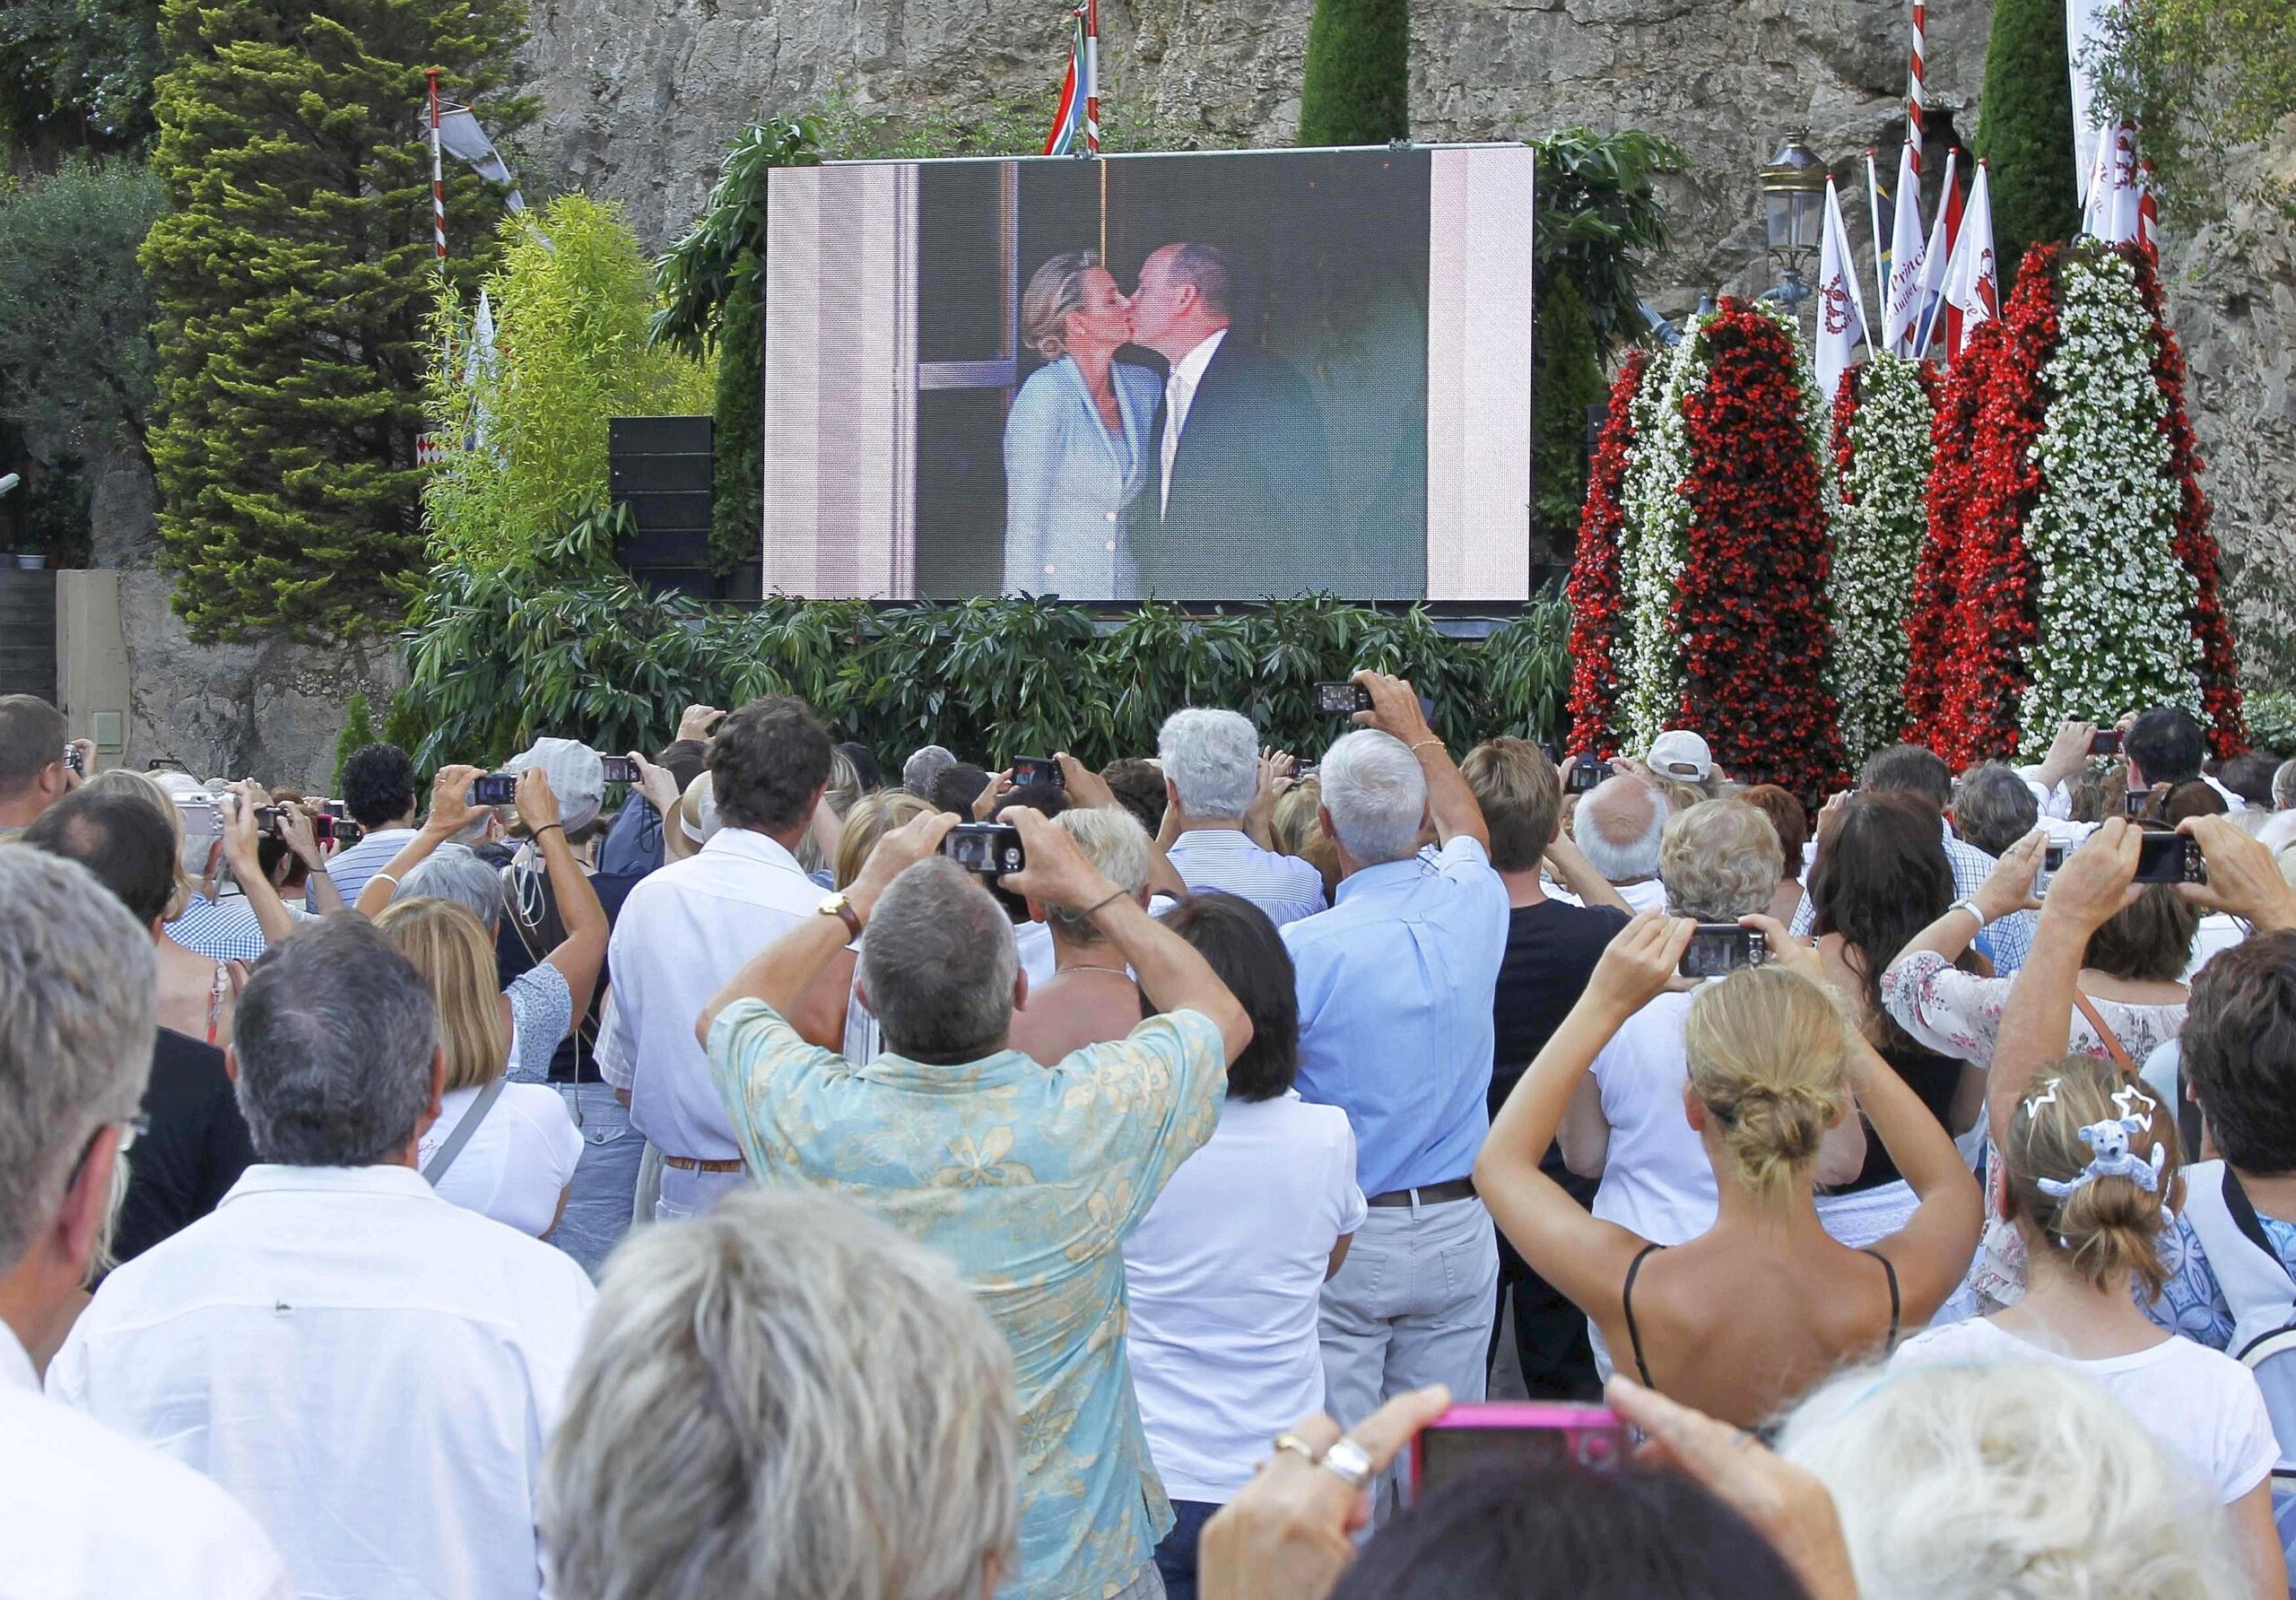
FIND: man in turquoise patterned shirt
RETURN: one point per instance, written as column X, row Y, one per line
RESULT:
column 1027, row 1177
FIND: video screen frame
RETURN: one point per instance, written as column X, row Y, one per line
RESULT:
column 891, row 420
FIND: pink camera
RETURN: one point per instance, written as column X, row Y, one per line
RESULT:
column 1470, row 1438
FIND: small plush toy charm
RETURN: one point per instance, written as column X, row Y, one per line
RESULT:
column 2108, row 1140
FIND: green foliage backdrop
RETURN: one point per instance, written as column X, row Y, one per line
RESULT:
column 495, row 658
column 292, row 275
column 1566, row 378
column 2203, row 79
column 2025, row 130
column 75, row 309
column 526, row 444
column 1356, row 86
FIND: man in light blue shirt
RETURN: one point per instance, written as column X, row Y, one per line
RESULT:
column 1396, row 984
column 1211, row 762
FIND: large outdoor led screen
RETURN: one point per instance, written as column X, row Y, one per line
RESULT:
column 1224, row 377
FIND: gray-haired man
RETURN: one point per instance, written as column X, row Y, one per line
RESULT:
column 83, row 1511
column 1029, row 1176
column 335, row 1345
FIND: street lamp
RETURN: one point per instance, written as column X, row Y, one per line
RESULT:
column 1792, row 199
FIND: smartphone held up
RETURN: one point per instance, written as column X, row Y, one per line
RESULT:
column 1468, row 1439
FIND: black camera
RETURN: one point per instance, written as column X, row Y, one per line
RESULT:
column 2169, row 858
column 619, row 769
column 496, row 788
column 2105, row 740
column 1342, row 699
column 327, row 827
column 1585, row 776
column 2136, row 803
column 73, row 759
column 1718, row 948
column 1043, row 770
column 990, row 850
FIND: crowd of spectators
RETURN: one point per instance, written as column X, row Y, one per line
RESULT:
column 717, row 1181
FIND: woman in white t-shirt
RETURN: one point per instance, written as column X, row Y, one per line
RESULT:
column 2088, row 1158
column 1224, row 1274
column 516, row 1160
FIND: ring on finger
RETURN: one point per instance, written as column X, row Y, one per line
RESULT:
column 1348, row 1461
column 1293, row 1445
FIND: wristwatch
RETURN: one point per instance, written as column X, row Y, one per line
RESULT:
column 839, row 907
column 1972, row 908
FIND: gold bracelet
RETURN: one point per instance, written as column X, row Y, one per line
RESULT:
column 1423, row 744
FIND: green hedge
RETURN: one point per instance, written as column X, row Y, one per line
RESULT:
column 494, row 660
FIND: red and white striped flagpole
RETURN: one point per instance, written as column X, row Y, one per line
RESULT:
column 1092, row 77
column 1913, row 95
column 438, row 178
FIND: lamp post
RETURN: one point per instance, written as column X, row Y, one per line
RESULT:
column 1792, row 198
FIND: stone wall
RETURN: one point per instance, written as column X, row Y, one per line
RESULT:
column 271, row 710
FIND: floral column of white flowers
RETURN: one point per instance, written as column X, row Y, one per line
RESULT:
column 1877, row 512
column 1653, row 542
column 2115, row 603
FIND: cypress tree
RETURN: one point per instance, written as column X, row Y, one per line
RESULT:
column 1566, row 379
column 292, row 276
column 1357, row 86
column 2025, row 130
column 358, row 732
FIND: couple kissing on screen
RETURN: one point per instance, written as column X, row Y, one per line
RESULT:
column 1209, row 483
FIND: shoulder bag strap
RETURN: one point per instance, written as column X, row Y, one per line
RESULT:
column 2113, row 1047
column 436, row 1167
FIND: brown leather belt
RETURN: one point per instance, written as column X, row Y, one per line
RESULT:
column 686, row 1164
column 1433, row 1193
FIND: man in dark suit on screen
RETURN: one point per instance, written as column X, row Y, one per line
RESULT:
column 1238, row 498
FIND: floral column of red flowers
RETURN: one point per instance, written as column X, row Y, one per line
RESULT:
column 1750, row 613
column 1594, row 584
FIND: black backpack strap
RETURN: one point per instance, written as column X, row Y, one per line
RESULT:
column 2244, row 1214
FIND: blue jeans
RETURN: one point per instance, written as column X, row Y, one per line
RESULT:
column 1175, row 1556
column 597, row 1204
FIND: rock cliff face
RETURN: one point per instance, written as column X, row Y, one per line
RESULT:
column 640, row 99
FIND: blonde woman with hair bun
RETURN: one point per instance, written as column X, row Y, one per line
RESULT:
column 1079, row 439
column 2089, row 1168
column 1742, row 1319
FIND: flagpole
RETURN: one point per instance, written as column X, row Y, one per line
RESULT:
column 437, row 176
column 1913, row 92
column 1873, row 217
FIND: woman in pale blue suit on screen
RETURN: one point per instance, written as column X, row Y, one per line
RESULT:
column 1078, row 440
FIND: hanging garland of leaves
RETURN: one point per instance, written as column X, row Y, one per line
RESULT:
column 1881, row 454
column 2222, row 708
column 1750, row 611
column 1594, row 587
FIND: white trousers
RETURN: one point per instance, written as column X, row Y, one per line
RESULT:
column 1411, row 1306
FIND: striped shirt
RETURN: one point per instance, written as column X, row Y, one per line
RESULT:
column 1286, row 886
column 353, row 868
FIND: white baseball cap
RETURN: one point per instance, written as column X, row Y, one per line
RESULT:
column 1680, row 753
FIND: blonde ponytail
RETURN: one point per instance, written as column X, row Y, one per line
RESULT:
column 1766, row 1051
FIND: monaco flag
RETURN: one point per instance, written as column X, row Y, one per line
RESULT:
column 1841, row 307
column 1972, row 283
column 1907, row 256
column 2115, row 191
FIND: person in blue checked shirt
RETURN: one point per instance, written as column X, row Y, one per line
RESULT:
column 1396, row 985
column 1027, row 1177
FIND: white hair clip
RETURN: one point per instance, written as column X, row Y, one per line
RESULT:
column 2127, row 1099
column 2046, row 1097
column 2112, row 1158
